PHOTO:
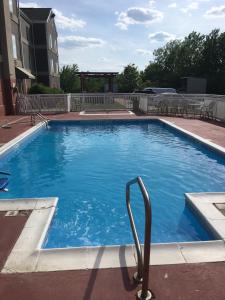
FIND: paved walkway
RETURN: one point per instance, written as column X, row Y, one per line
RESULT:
column 174, row 282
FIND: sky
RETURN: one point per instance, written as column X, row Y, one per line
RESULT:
column 106, row 35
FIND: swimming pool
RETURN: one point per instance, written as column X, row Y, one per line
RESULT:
column 87, row 164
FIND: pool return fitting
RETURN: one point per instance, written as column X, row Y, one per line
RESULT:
column 142, row 274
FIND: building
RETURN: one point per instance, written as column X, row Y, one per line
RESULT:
column 193, row 85
column 28, row 51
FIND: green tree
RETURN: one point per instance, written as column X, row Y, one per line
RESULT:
column 129, row 79
column 94, row 85
column 196, row 55
column 69, row 80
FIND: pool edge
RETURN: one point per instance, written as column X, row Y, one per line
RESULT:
column 27, row 255
column 36, row 259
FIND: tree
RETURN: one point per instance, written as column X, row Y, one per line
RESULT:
column 129, row 79
column 69, row 80
column 94, row 85
column 196, row 55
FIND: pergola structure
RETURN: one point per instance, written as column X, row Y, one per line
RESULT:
column 108, row 75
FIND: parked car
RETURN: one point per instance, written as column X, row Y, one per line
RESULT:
column 153, row 90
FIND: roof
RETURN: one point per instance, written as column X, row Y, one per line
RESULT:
column 157, row 90
column 97, row 74
column 193, row 77
column 23, row 73
column 37, row 14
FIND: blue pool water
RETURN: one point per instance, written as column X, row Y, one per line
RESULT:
column 87, row 166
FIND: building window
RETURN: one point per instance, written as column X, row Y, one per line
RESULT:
column 11, row 6
column 56, row 68
column 52, row 66
column 28, row 33
column 14, row 46
column 55, row 45
column 50, row 41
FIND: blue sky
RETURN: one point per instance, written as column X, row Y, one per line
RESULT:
column 106, row 35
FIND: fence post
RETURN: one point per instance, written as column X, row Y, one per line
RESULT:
column 68, row 102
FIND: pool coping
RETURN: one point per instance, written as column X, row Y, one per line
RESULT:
column 7, row 146
column 206, row 205
column 204, row 141
column 27, row 255
column 127, row 113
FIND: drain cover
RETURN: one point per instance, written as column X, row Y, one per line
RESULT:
column 11, row 213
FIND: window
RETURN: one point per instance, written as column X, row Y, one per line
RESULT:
column 28, row 33
column 14, row 46
column 55, row 45
column 50, row 41
column 11, row 6
column 51, row 66
column 56, row 68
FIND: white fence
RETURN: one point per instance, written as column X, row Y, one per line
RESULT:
column 110, row 101
column 149, row 104
column 75, row 102
column 193, row 103
column 27, row 104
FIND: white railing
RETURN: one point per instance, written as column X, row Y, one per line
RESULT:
column 188, row 103
column 110, row 101
column 75, row 102
column 42, row 103
column 149, row 104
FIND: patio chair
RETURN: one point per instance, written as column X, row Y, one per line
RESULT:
column 207, row 110
column 153, row 106
column 162, row 107
column 172, row 107
column 181, row 106
column 193, row 108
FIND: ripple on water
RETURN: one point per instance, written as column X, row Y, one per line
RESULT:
column 88, row 166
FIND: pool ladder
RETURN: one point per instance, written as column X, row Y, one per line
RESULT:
column 41, row 117
column 142, row 274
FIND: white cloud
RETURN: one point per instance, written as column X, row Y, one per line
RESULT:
column 75, row 41
column 138, row 15
column 161, row 36
column 62, row 21
column 190, row 7
column 216, row 12
column 152, row 3
column 103, row 59
column 172, row 5
column 144, row 52
column 29, row 4
column 65, row 22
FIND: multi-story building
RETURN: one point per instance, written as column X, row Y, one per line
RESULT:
column 28, row 51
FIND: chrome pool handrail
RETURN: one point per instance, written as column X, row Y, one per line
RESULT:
column 142, row 274
column 40, row 116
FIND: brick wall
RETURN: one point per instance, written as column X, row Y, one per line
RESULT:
column 2, row 107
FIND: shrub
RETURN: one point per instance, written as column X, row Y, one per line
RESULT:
column 39, row 88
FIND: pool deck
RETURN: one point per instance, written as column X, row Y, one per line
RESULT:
column 175, row 282
column 210, row 131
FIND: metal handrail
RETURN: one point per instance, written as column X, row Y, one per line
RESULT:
column 142, row 274
column 45, row 120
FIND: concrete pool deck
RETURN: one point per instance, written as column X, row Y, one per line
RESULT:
column 198, row 281
column 174, row 282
